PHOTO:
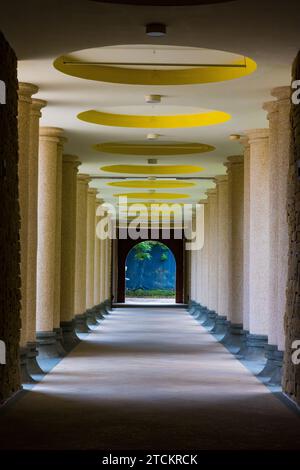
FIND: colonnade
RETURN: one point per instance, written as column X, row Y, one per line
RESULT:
column 64, row 265
column 240, row 294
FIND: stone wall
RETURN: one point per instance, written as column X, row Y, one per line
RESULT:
column 10, row 224
column 291, row 380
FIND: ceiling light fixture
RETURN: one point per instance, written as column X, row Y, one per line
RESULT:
column 153, row 136
column 156, row 29
column 153, row 99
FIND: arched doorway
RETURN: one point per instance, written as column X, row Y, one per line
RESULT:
column 150, row 273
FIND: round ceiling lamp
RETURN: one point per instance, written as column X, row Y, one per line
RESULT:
column 152, row 184
column 207, row 118
column 152, row 170
column 153, row 195
column 91, row 64
column 123, row 148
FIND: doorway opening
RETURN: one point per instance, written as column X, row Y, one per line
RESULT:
column 150, row 274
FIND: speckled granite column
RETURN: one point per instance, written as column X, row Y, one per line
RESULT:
column 35, row 114
column 235, row 337
column 259, row 248
column 80, row 252
column 46, row 261
column 70, row 164
column 283, row 148
column 25, row 92
column 204, row 270
column 223, row 245
column 246, row 248
column 90, row 253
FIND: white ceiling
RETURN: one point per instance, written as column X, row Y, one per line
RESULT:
column 264, row 30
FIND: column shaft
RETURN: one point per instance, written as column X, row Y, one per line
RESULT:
column 259, row 232
column 91, row 217
column 223, row 245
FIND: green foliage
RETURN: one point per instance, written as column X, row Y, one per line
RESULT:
column 143, row 250
column 155, row 293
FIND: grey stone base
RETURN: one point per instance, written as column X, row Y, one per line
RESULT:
column 32, row 364
column 81, row 325
column 254, row 348
column 269, row 368
column 235, row 337
column 276, row 377
column 59, row 341
column 210, row 322
column 25, row 375
column 98, row 312
column 48, row 346
column 91, row 317
column 69, row 337
column 221, row 327
column 202, row 315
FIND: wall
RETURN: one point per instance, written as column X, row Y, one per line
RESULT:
column 291, row 380
column 10, row 224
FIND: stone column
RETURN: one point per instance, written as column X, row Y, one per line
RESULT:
column 213, row 251
column 80, row 257
column 246, row 249
column 25, row 92
column 204, row 269
column 283, row 148
column 58, row 196
column 68, row 248
column 279, row 149
column 97, row 260
column 223, row 245
column 35, row 114
column 91, row 236
column 259, row 247
column 235, row 169
column 46, row 261
column 271, row 347
column 102, row 265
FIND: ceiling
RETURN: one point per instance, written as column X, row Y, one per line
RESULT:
column 266, row 31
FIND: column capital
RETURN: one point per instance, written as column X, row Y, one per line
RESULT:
column 92, row 191
column 244, row 141
column 73, row 159
column 281, row 93
column 83, row 178
column 271, row 107
column 234, row 160
column 211, row 192
column 36, row 106
column 54, row 134
column 221, row 179
column 256, row 135
column 203, row 201
column 26, row 90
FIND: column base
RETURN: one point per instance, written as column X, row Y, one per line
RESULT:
column 69, row 337
column 210, row 322
column 253, row 355
column 59, row 341
column 98, row 313
column 276, row 377
column 193, row 308
column 202, row 315
column 81, row 325
column 32, row 364
column 221, row 327
column 48, row 346
column 235, row 338
column 270, row 367
column 91, row 317
column 25, row 375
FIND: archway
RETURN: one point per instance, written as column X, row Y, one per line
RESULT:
column 150, row 273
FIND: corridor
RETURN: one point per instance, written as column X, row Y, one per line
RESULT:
column 149, row 378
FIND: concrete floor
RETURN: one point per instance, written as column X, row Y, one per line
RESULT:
column 149, row 379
